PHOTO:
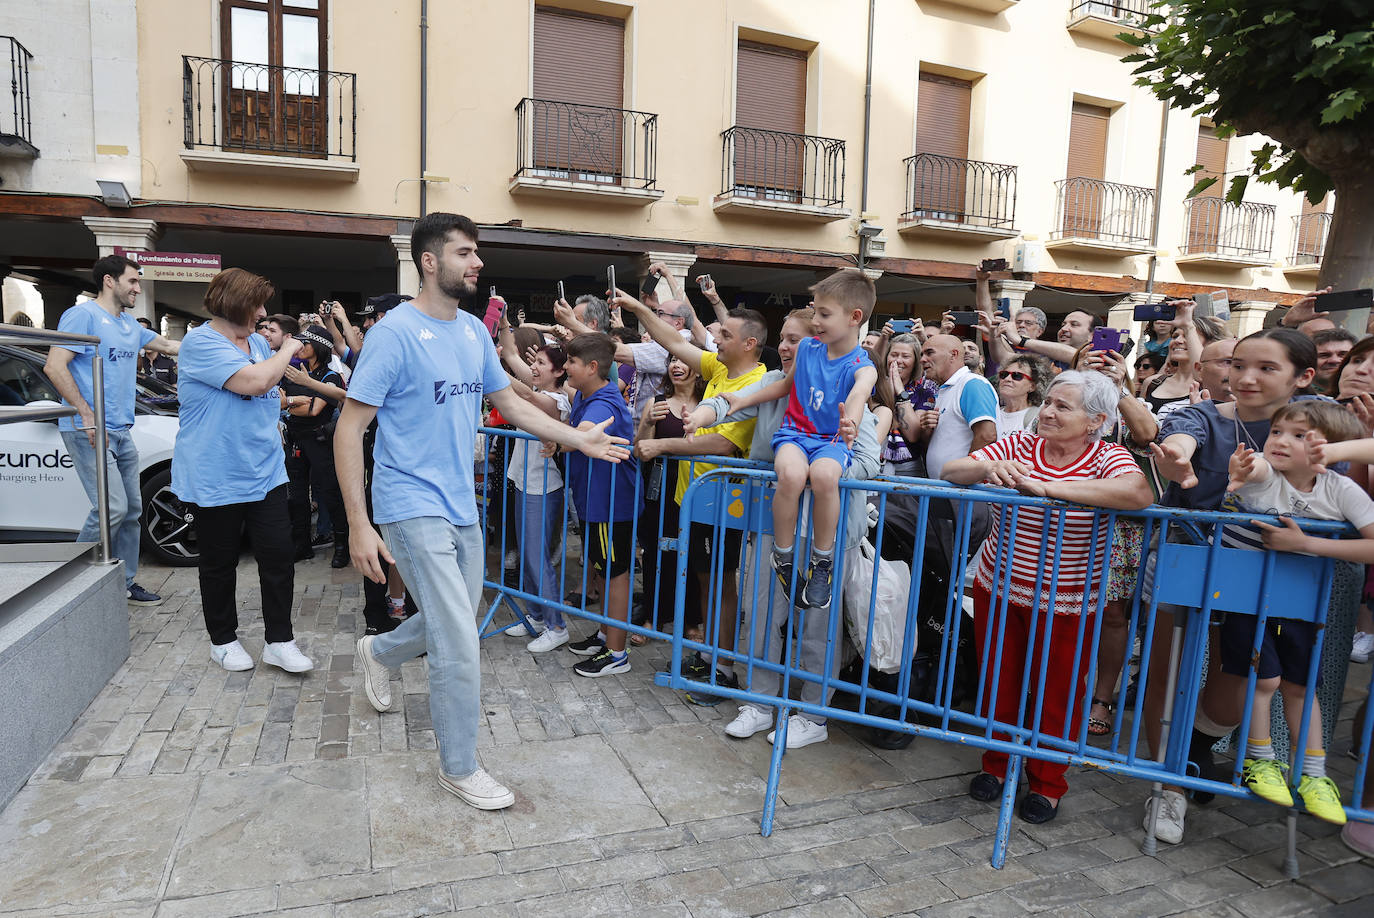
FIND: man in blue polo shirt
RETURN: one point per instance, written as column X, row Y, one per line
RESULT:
column 69, row 367
column 423, row 375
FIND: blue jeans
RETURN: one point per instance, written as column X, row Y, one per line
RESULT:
column 126, row 500
column 442, row 567
column 543, row 514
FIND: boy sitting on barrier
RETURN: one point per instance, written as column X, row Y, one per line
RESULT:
column 829, row 384
column 606, row 498
column 1286, row 482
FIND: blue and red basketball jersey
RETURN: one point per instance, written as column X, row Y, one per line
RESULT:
column 819, row 388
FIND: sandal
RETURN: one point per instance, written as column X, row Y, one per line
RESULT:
column 1096, row 725
column 637, row 639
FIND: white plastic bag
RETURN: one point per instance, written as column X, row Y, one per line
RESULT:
column 889, row 605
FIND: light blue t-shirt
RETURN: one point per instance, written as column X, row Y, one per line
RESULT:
column 426, row 377
column 228, row 448
column 121, row 338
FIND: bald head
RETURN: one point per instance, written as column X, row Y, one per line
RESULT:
column 941, row 357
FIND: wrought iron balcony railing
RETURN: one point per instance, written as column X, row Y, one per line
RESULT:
column 16, row 119
column 1104, row 211
column 962, row 191
column 1216, row 226
column 782, row 168
column 237, row 106
column 1132, row 12
column 1309, row 239
column 586, row 143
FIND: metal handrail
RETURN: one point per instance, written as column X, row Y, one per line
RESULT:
column 20, row 124
column 1094, row 209
column 267, row 108
column 1213, row 224
column 955, row 190
column 1132, row 11
column 1309, row 238
column 19, row 334
column 594, row 144
column 783, row 167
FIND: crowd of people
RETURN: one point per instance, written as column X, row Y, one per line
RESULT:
column 629, row 398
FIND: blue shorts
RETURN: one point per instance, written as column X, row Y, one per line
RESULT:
column 1285, row 651
column 815, row 446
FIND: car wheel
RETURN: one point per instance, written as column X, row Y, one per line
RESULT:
column 169, row 532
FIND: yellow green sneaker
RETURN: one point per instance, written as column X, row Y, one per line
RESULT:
column 1265, row 778
column 1322, row 799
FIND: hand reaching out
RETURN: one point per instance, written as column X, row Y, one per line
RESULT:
column 1306, row 308
column 598, row 444
column 849, row 428
column 1239, row 467
column 1169, row 461
column 699, row 417
column 1316, row 450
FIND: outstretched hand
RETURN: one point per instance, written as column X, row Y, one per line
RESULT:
column 596, row 443
column 1316, row 450
column 699, row 417
column 1239, row 467
column 849, row 428
column 1170, row 463
column 1306, row 308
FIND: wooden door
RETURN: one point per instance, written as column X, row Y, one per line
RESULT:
column 273, row 89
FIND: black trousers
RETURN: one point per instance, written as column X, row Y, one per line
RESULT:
column 376, row 608
column 219, row 536
column 310, row 467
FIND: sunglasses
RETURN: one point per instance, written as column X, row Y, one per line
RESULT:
column 1013, row 375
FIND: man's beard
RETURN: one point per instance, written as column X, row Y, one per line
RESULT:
column 454, row 286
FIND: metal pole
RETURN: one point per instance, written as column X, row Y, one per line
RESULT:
column 424, row 104
column 102, row 474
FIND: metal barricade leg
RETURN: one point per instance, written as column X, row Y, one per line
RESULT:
column 1010, row 783
column 770, row 794
column 102, row 472
column 1290, row 856
column 1150, row 846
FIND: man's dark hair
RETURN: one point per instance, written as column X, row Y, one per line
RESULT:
column 596, row 347
column 288, row 324
column 753, row 322
column 145, row 323
column 1327, row 335
column 111, row 266
column 625, row 335
column 431, row 232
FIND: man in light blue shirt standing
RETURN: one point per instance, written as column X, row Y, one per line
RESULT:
column 423, row 375
column 69, row 368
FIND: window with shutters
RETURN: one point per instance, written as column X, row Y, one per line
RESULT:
column 770, row 146
column 1309, row 231
column 577, row 121
column 943, row 105
column 1205, row 209
column 272, row 99
column 1084, row 191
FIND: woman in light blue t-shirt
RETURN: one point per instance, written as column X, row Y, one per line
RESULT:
column 228, row 464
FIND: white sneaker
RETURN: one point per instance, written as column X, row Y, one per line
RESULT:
column 478, row 789
column 802, row 732
column 517, row 627
column 750, row 720
column 1362, row 648
column 376, row 677
column 549, row 639
column 286, row 655
column 1169, row 825
column 231, row 656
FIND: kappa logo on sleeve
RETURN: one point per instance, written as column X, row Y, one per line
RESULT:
column 443, row 389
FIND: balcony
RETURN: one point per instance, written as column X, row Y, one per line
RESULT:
column 16, row 119
column 1309, row 245
column 773, row 173
column 1109, row 18
column 948, row 196
column 1225, row 235
column 1102, row 217
column 986, row 6
column 260, row 119
column 585, row 151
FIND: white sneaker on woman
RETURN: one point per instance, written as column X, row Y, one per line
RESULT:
column 750, row 720
column 231, row 656
column 550, row 639
column 287, row 656
column 1362, row 648
column 1169, row 825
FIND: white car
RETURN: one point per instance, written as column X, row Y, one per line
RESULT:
column 41, row 499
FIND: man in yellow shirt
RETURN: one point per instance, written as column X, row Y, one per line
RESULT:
column 734, row 366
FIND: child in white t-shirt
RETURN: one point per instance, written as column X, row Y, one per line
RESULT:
column 1285, row 482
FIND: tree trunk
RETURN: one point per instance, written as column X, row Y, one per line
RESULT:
column 1348, row 258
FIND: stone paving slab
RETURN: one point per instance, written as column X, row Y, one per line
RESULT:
column 187, row 791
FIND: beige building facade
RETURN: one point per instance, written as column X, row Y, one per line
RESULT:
column 729, row 137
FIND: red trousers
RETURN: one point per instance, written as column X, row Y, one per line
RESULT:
column 1060, row 703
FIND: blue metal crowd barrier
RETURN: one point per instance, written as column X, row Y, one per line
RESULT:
column 1184, row 568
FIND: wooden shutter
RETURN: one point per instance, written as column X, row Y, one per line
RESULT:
column 279, row 106
column 1205, row 211
column 1311, row 231
column 1083, row 201
column 770, row 95
column 942, row 116
column 579, row 76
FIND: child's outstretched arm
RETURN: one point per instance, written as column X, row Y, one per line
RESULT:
column 864, row 381
column 1246, row 466
column 769, row 393
column 1323, row 454
column 1289, row 537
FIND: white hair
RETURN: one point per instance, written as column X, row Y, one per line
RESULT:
column 1098, row 393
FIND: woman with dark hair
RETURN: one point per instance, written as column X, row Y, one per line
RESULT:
column 1355, row 390
column 310, row 445
column 228, row 465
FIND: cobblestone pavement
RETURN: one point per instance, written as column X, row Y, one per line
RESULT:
column 188, row 791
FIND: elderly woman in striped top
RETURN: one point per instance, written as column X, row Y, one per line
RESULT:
column 1065, row 459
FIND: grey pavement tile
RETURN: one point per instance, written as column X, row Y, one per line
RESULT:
column 857, row 851
column 251, row 822
column 1211, row 886
column 821, row 771
column 676, row 887
column 221, row 905
column 1064, row 858
column 749, row 900
column 90, row 842
column 585, row 902
column 1341, row 884
column 891, row 797
column 102, row 767
column 830, row 908
column 897, row 898
column 1359, row 908
column 334, row 889
column 707, row 854
column 1054, row 892
column 1132, row 874
column 495, row 890
column 613, row 871
column 690, row 772
column 726, row 826
column 990, row 905
column 409, row 904
column 413, row 819
column 1133, row 904
column 448, row 870
column 934, row 835
column 982, row 877
column 792, row 864
column 656, row 839
column 1200, row 855
column 141, row 756
column 929, row 861
column 1328, row 850
column 794, row 814
column 747, row 873
column 1266, row 869
column 1281, row 901
column 828, row 884
column 537, row 857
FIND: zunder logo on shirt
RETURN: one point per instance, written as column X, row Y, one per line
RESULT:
column 443, row 389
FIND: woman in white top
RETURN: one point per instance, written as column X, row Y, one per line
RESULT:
column 537, row 376
column 1021, row 387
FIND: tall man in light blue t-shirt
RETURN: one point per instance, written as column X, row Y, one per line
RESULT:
column 423, row 375
column 69, row 368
